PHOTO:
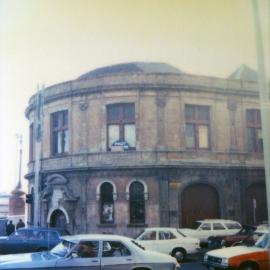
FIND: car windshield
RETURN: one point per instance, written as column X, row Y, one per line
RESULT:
column 62, row 249
column 179, row 231
column 263, row 241
column 196, row 225
column 137, row 244
column 140, row 233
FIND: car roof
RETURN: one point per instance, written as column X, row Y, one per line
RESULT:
column 218, row 220
column 159, row 228
column 38, row 229
column 79, row 237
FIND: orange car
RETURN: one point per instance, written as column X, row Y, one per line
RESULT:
column 240, row 257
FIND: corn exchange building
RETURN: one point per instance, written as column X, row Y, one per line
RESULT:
column 144, row 144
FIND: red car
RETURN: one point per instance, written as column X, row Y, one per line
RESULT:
column 215, row 242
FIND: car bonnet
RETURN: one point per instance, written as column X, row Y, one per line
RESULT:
column 22, row 258
column 232, row 251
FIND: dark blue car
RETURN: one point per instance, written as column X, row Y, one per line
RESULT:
column 29, row 240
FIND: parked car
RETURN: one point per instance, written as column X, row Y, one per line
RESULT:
column 215, row 242
column 240, row 257
column 169, row 241
column 31, row 239
column 99, row 252
column 203, row 229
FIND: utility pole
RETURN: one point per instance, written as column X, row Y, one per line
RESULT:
column 264, row 100
column 20, row 140
column 38, row 130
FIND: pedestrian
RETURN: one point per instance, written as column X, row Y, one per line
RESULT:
column 10, row 228
column 20, row 224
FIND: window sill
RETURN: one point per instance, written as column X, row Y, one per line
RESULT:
column 137, row 225
column 109, row 225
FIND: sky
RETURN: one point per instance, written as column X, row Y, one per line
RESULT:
column 51, row 41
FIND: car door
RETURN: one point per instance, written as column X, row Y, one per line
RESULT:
column 148, row 239
column 205, row 231
column 85, row 256
column 219, row 229
column 116, row 256
column 166, row 241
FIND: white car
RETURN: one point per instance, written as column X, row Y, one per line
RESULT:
column 169, row 241
column 93, row 252
column 212, row 227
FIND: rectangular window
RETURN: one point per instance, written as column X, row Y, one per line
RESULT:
column 197, row 127
column 31, row 143
column 59, row 133
column 121, row 127
column 254, row 131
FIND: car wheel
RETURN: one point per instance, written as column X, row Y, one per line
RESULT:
column 248, row 266
column 179, row 254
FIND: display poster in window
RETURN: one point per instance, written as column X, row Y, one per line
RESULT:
column 107, row 212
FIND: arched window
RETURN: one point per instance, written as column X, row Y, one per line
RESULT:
column 106, row 203
column 137, row 203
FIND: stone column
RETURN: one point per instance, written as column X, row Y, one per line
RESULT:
column 164, row 201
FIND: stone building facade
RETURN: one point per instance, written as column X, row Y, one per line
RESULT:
column 145, row 144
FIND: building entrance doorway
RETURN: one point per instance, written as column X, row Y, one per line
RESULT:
column 199, row 201
column 58, row 219
column 255, row 204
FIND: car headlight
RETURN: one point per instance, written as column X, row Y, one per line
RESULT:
column 222, row 243
column 205, row 257
column 225, row 261
column 177, row 267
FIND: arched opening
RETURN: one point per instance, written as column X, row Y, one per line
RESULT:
column 137, row 203
column 106, row 203
column 58, row 219
column 199, row 201
column 255, row 204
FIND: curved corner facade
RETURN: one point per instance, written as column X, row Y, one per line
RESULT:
column 128, row 150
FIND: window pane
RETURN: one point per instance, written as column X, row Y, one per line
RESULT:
column 59, row 143
column 260, row 140
column 203, row 136
column 56, row 120
column 137, row 205
column 114, row 113
column 202, row 113
column 189, row 112
column 65, row 118
column 66, row 141
column 251, row 139
column 250, row 116
column 130, row 136
column 129, row 112
column 114, row 134
column 107, row 205
column 190, row 136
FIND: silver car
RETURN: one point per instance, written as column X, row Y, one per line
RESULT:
column 92, row 252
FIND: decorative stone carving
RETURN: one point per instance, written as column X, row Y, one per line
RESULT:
column 161, row 99
column 83, row 105
column 232, row 104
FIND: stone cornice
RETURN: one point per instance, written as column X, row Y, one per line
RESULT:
column 143, row 82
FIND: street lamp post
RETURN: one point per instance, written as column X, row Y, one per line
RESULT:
column 264, row 101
